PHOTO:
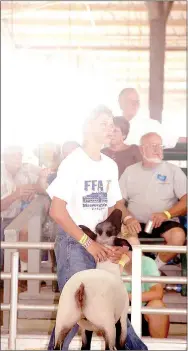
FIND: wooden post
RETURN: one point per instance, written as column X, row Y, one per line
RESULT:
column 158, row 15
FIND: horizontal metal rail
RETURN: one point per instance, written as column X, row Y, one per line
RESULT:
column 136, row 279
column 50, row 246
column 52, row 308
column 53, row 276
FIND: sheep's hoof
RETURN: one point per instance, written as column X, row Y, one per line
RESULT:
column 58, row 347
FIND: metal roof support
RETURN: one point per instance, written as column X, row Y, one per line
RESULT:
column 158, row 14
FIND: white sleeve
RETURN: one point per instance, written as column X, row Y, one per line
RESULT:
column 169, row 140
column 123, row 184
column 180, row 183
column 62, row 186
column 114, row 193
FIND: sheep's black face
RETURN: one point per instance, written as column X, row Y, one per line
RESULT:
column 109, row 229
column 106, row 229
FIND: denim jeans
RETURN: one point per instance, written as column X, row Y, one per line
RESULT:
column 71, row 258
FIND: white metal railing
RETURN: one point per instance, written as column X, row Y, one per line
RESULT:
column 136, row 278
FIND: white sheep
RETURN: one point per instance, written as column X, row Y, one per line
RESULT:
column 96, row 299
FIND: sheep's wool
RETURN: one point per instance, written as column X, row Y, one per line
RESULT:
column 106, row 298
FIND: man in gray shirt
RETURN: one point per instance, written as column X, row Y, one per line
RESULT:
column 155, row 190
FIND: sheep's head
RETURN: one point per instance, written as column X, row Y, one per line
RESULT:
column 109, row 229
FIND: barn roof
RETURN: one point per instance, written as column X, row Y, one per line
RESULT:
column 111, row 37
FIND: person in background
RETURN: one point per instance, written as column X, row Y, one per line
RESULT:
column 124, row 155
column 19, row 185
column 154, row 325
column 129, row 103
column 155, row 190
column 66, row 150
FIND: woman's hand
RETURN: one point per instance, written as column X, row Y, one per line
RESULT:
column 117, row 252
column 98, row 251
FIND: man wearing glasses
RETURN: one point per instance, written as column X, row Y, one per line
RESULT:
column 155, row 191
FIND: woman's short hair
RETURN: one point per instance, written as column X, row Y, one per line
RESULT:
column 123, row 124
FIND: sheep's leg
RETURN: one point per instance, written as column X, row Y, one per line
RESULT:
column 118, row 335
column 123, row 328
column 86, row 339
column 64, row 323
column 110, row 336
column 61, row 337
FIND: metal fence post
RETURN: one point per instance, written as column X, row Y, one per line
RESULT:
column 136, row 302
column 13, row 301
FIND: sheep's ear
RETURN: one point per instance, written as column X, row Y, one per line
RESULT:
column 115, row 219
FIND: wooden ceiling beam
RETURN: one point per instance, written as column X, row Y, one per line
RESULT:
column 158, row 12
column 96, row 48
column 41, row 22
column 80, row 7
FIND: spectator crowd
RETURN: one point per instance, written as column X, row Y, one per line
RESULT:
column 119, row 165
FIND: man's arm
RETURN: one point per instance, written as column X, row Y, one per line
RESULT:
column 180, row 208
column 61, row 216
column 120, row 205
column 132, row 225
column 41, row 184
column 22, row 192
column 8, row 200
column 155, row 293
column 40, row 188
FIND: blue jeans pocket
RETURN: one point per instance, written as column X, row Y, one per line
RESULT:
column 71, row 258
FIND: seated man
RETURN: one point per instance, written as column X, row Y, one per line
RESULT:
column 155, row 190
column 154, row 325
column 19, row 184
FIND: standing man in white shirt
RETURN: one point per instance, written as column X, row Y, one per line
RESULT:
column 129, row 103
column 85, row 192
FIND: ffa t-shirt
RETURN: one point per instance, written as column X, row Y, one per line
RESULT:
column 88, row 187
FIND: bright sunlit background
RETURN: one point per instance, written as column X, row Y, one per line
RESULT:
column 45, row 100
column 46, row 97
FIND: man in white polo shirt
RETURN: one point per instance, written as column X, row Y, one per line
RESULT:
column 155, row 190
column 129, row 103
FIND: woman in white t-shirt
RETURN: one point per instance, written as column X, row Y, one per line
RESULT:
column 84, row 193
